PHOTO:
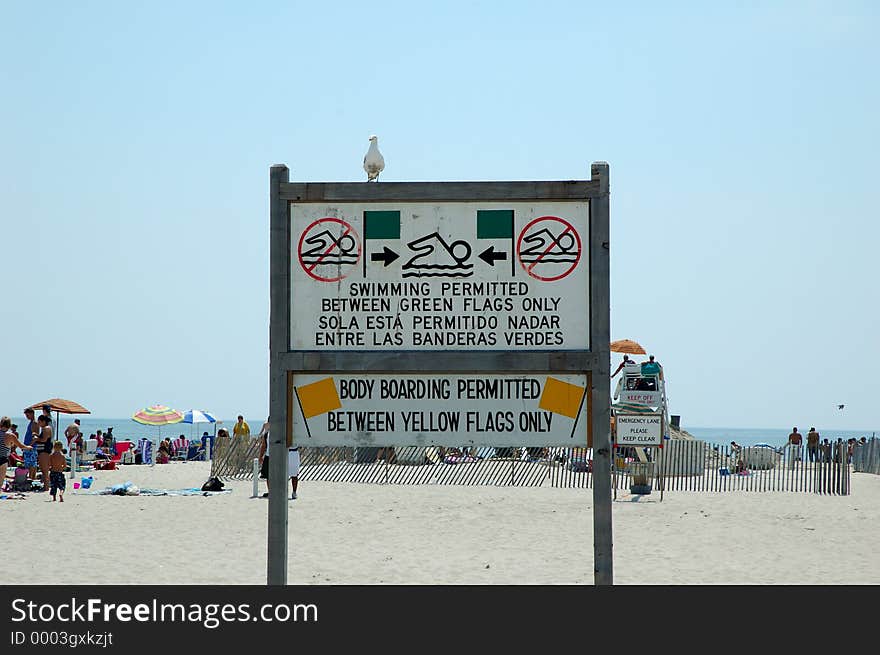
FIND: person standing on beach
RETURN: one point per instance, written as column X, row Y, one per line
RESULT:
column 794, row 440
column 47, row 412
column 72, row 431
column 57, row 464
column 293, row 468
column 30, row 455
column 8, row 441
column 264, row 455
column 812, row 445
column 293, row 461
column 241, row 429
column 826, row 451
column 43, row 445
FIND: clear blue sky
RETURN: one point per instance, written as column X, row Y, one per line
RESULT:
column 742, row 137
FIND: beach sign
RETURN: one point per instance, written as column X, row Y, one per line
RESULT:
column 436, row 276
column 440, row 314
column 439, row 409
column 639, row 429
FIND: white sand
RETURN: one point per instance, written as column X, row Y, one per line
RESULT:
column 363, row 533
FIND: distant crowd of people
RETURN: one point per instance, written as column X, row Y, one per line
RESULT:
column 822, row 450
column 35, row 457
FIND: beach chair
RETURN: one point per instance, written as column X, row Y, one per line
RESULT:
column 146, row 448
column 124, row 452
column 181, row 448
column 91, row 447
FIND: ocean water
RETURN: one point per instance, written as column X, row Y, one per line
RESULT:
column 773, row 436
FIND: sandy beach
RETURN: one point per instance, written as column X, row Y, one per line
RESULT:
column 346, row 533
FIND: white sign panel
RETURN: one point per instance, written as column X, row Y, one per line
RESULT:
column 443, row 276
column 457, row 409
column 639, row 430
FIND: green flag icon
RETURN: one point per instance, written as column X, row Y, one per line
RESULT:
column 381, row 224
column 494, row 223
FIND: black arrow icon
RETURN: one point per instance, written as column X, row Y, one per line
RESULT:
column 490, row 256
column 387, row 256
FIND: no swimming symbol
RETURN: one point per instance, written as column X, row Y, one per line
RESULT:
column 549, row 248
column 328, row 249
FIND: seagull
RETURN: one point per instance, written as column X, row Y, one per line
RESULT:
column 841, row 406
column 374, row 163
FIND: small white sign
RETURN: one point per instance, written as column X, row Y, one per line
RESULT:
column 639, row 430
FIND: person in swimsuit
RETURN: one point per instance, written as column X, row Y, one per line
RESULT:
column 57, row 464
column 47, row 412
column 30, row 455
column 43, row 446
column 8, row 440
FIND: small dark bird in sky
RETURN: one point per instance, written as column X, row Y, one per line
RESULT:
column 840, row 406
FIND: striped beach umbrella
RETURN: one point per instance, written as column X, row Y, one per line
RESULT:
column 194, row 416
column 157, row 415
column 198, row 416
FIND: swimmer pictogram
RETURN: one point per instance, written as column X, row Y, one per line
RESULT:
column 328, row 249
column 437, row 258
column 549, row 248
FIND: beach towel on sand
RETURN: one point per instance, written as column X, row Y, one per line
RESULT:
column 115, row 491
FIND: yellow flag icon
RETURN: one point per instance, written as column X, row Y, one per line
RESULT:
column 561, row 398
column 318, row 397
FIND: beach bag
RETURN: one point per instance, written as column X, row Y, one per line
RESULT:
column 213, row 484
column 20, row 481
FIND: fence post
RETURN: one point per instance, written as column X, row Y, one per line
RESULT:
column 256, row 470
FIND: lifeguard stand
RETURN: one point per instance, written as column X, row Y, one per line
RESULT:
column 641, row 393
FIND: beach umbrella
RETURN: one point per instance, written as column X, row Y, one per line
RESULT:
column 157, row 415
column 627, row 346
column 61, row 406
column 197, row 416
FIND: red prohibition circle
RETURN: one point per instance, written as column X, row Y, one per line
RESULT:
column 309, row 268
column 568, row 228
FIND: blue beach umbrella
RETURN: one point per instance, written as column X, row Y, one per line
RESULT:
column 197, row 416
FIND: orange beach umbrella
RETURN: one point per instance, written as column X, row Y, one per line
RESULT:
column 627, row 346
column 62, row 405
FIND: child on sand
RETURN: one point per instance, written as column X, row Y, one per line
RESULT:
column 57, row 464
